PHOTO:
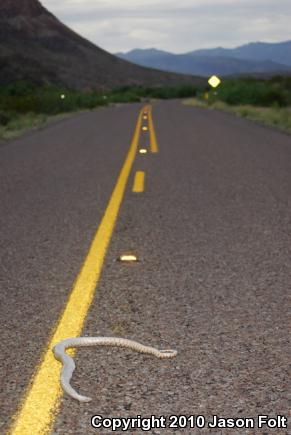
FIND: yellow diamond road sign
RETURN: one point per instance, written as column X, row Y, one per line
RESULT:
column 214, row 81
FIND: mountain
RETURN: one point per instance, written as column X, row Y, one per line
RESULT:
column 151, row 54
column 279, row 52
column 248, row 59
column 35, row 46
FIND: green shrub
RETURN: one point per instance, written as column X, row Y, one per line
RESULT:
column 5, row 118
column 27, row 98
column 268, row 93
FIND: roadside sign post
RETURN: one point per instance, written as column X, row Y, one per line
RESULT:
column 214, row 81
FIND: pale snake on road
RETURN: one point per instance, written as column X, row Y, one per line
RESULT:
column 69, row 365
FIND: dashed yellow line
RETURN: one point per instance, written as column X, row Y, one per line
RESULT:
column 39, row 408
column 138, row 184
column 153, row 138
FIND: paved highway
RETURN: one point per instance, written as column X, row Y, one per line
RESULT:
column 206, row 208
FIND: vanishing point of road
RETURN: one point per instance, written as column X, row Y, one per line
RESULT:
column 203, row 199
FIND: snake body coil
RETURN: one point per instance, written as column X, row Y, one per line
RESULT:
column 69, row 365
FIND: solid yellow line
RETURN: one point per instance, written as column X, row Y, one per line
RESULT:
column 41, row 403
column 138, row 184
column 153, row 138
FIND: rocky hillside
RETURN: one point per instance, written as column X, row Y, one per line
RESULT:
column 35, row 46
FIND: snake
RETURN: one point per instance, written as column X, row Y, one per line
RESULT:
column 68, row 364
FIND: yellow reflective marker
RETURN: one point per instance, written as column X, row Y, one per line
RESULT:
column 41, row 403
column 145, row 117
column 128, row 258
column 214, row 81
column 143, row 151
column 145, row 128
column 138, row 184
column 153, row 138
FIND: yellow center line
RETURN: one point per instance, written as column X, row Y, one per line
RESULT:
column 153, row 138
column 39, row 407
column 146, row 109
column 138, row 184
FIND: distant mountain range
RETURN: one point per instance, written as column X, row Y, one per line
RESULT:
column 254, row 58
column 35, row 46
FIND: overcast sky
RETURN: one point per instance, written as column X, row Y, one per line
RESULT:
column 175, row 25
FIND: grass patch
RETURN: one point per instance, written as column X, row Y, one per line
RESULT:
column 20, row 123
column 279, row 117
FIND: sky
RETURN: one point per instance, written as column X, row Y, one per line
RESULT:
column 177, row 26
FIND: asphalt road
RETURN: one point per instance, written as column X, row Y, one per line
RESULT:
column 212, row 230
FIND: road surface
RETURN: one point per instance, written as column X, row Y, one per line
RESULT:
column 207, row 211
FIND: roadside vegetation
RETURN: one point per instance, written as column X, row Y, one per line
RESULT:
column 264, row 101
column 24, row 106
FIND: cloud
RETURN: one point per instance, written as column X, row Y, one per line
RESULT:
column 175, row 26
